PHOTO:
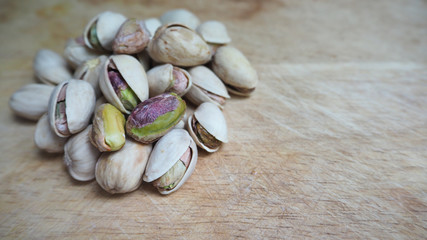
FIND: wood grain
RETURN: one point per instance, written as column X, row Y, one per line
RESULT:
column 332, row 145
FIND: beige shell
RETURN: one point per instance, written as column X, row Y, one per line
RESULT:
column 80, row 103
column 232, row 67
column 213, row 32
column 89, row 71
column 132, row 72
column 31, row 101
column 107, row 25
column 161, row 79
column 204, row 79
column 121, row 171
column 182, row 16
column 166, row 153
column 80, row 156
column 45, row 139
column 144, row 59
column 179, row 45
column 152, row 25
column 76, row 53
column 50, row 67
column 212, row 119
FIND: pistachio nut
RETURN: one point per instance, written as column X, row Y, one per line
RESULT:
column 50, row 68
column 152, row 25
column 207, row 87
column 213, row 32
column 121, row 171
column 123, row 82
column 232, row 67
column 71, row 105
column 108, row 131
column 172, row 161
column 76, row 52
column 167, row 78
column 154, row 117
column 133, row 37
column 179, row 45
column 45, row 139
column 102, row 29
column 182, row 16
column 80, row 156
column 90, row 72
column 144, row 59
column 207, row 127
column 31, row 101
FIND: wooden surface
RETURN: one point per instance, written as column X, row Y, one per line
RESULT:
column 333, row 144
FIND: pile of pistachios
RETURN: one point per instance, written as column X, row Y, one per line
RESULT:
column 113, row 103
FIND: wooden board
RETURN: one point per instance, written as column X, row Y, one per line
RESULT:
column 333, row 144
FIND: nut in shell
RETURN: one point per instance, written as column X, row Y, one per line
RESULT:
column 182, row 16
column 50, row 68
column 45, row 139
column 167, row 78
column 213, row 32
column 76, row 52
column 132, row 37
column 90, row 71
column 121, row 171
column 172, row 161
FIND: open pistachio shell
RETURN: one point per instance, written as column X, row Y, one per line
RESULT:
column 71, row 105
column 45, row 139
column 166, row 153
column 232, row 67
column 90, row 70
column 135, row 82
column 167, row 78
column 80, row 156
column 152, row 25
column 182, row 16
column 207, row 87
column 208, row 124
column 76, row 52
column 179, row 45
column 102, row 29
column 121, row 171
column 213, row 32
column 50, row 67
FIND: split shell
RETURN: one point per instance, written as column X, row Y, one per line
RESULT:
column 182, row 16
column 212, row 119
column 90, row 71
column 50, row 67
column 132, row 72
column 166, row 153
column 152, row 25
column 213, row 32
column 45, row 139
column 161, row 79
column 80, row 103
column 76, row 52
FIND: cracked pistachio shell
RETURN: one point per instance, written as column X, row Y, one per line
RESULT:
column 154, row 117
column 211, row 118
column 144, row 59
column 76, row 53
column 121, row 171
column 80, row 156
column 234, row 69
column 166, row 153
column 79, row 106
column 45, row 139
column 162, row 79
column 31, row 101
column 90, row 71
column 207, row 87
column 107, row 25
column 133, row 37
column 152, row 25
column 179, row 45
column 132, row 72
column 182, row 16
column 50, row 67
column 213, row 32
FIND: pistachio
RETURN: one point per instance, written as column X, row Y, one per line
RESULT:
column 171, row 178
column 50, row 68
column 76, row 53
column 182, row 16
column 46, row 139
column 108, row 131
column 132, row 37
column 90, row 71
column 31, row 101
column 144, row 59
column 167, row 78
column 152, row 25
column 154, row 117
column 213, row 32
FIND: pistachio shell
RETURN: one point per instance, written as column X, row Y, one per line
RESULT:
column 121, row 171
column 76, row 53
column 80, row 156
column 182, row 16
column 162, row 79
column 212, row 120
column 50, row 68
column 166, row 153
column 45, row 139
column 90, row 72
column 213, row 32
column 31, row 101
column 179, row 45
column 152, row 25
column 144, row 59
column 107, row 26
column 232, row 67
column 79, row 106
column 133, row 74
